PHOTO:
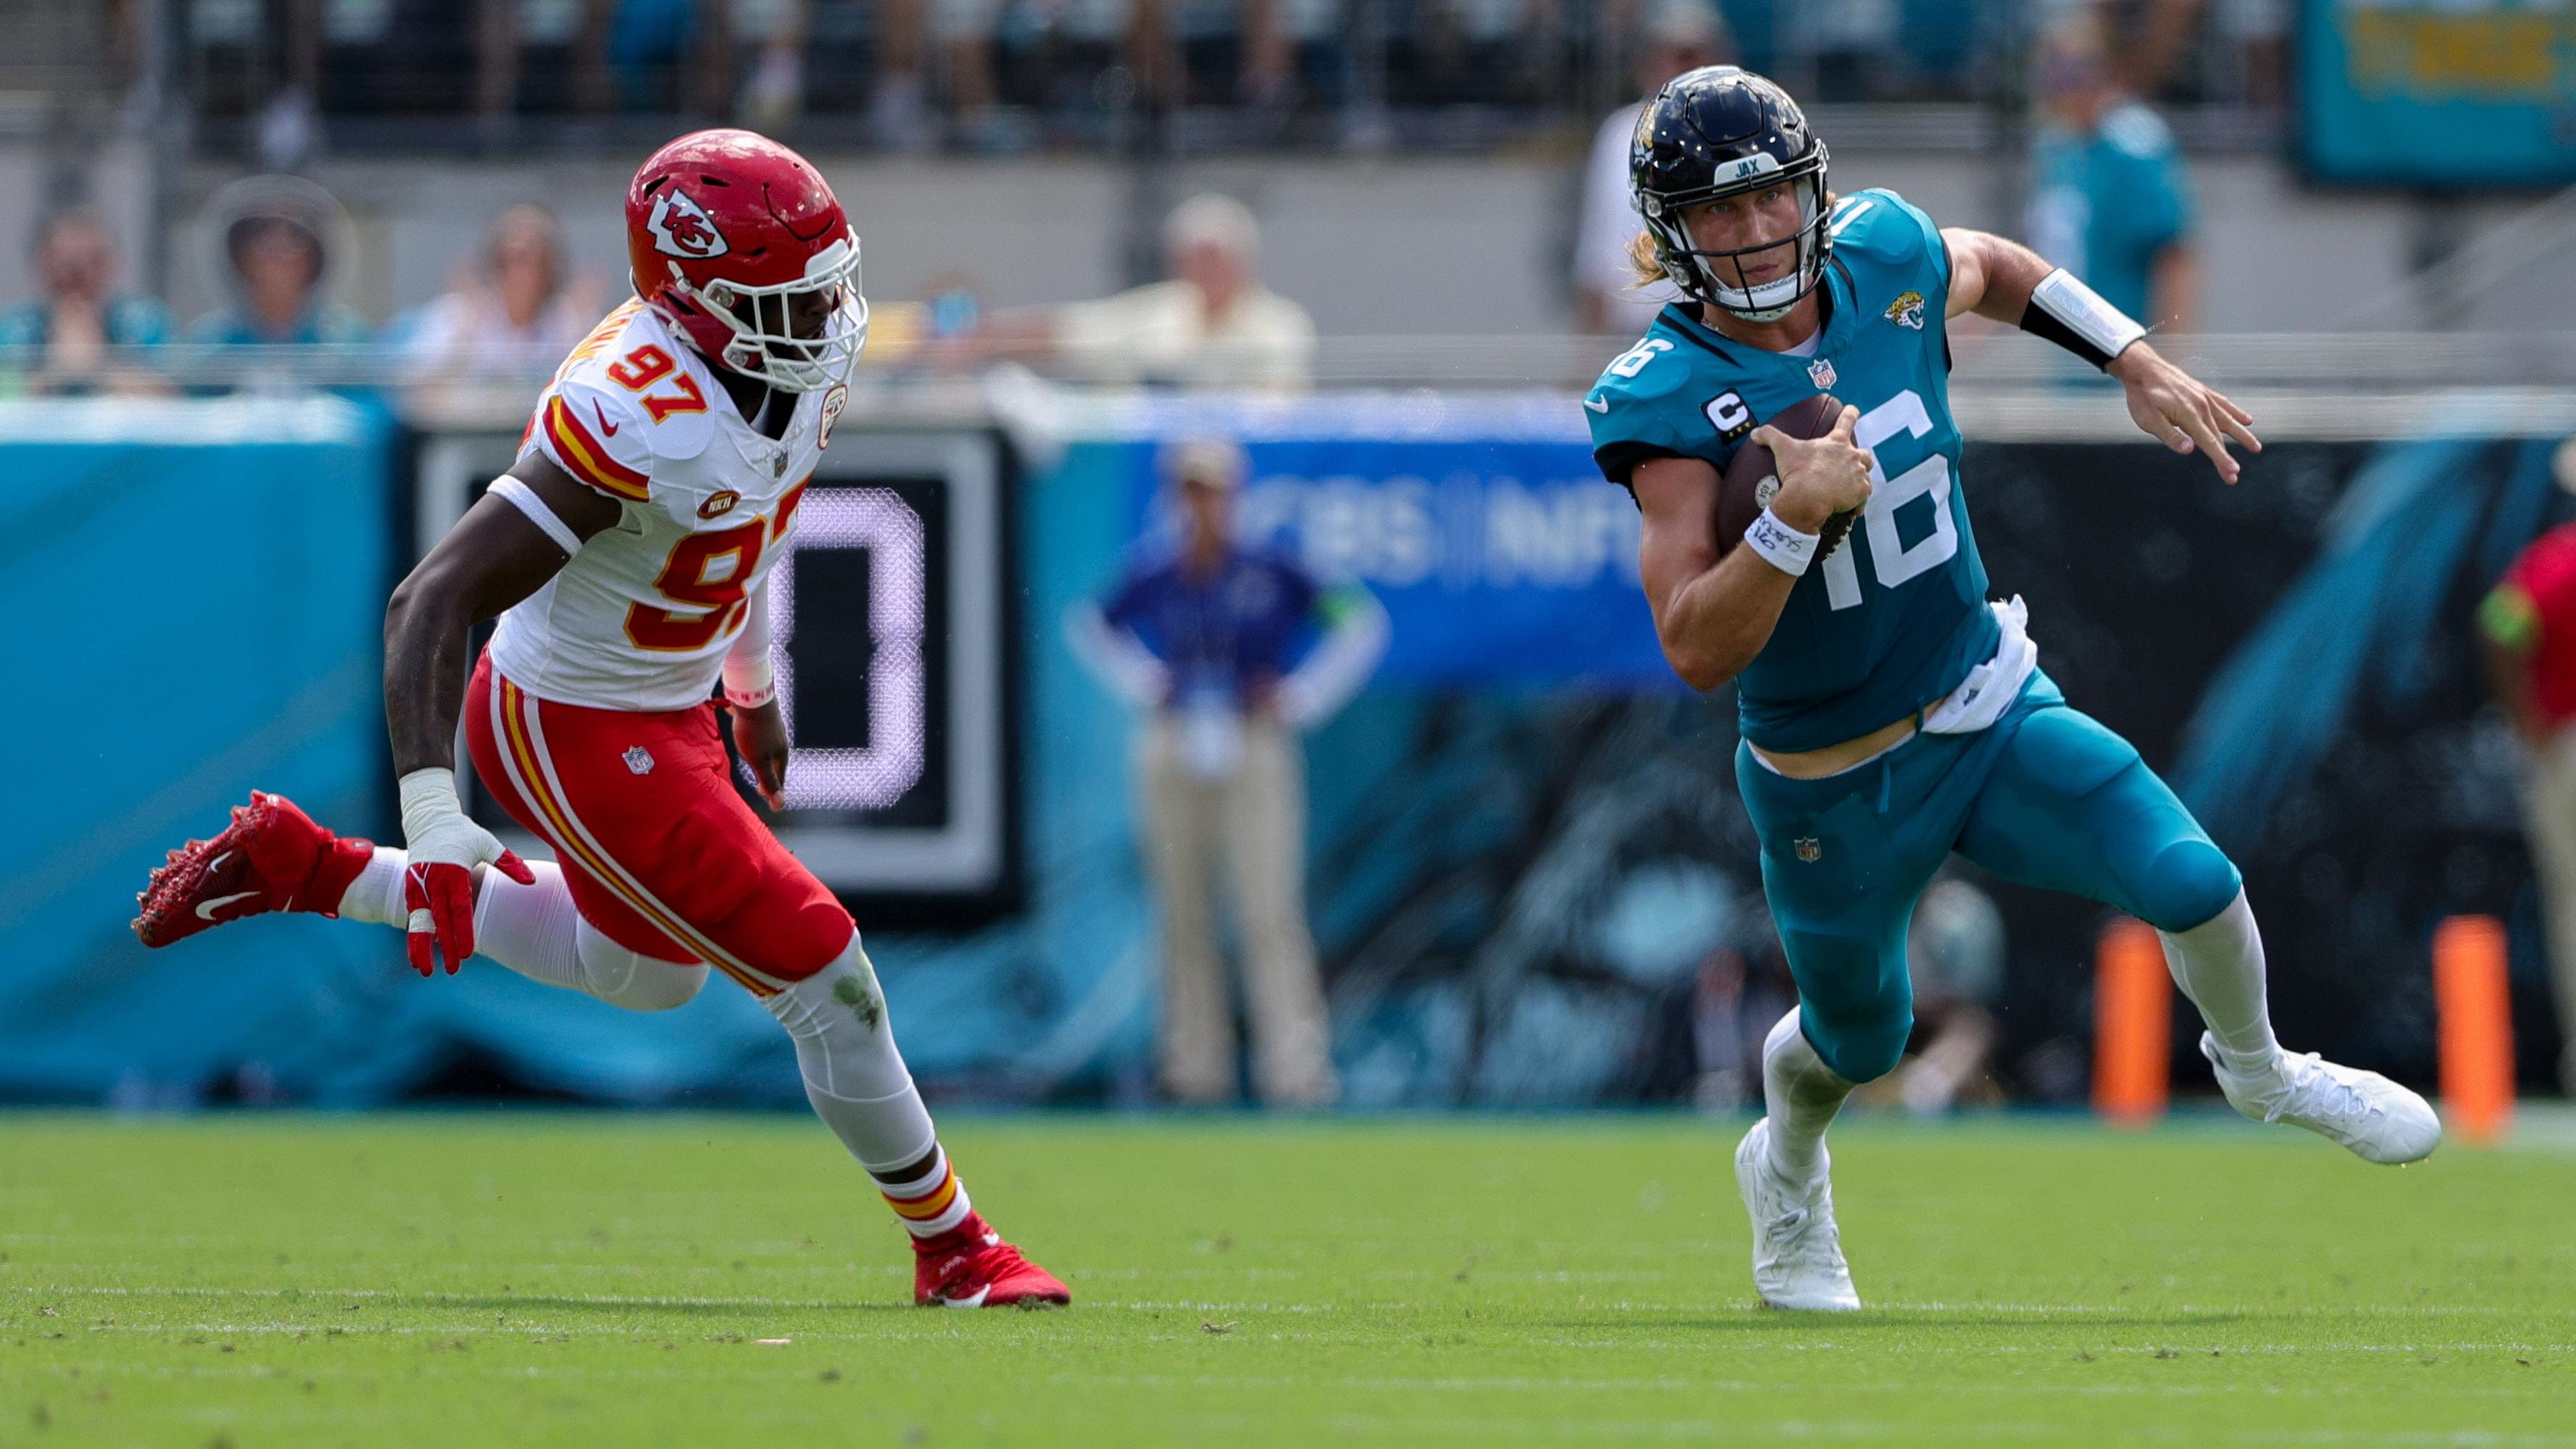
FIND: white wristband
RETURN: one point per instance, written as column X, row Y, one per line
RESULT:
column 2081, row 310
column 750, row 683
column 428, row 795
column 1788, row 550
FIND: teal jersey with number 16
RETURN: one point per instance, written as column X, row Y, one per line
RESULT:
column 1897, row 616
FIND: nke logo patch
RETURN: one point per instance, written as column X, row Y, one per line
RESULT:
column 833, row 401
column 1907, row 310
column 682, row 228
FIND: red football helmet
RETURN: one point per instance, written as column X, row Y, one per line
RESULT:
column 739, row 243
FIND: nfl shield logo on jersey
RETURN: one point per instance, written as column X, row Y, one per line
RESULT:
column 1809, row 848
column 1822, row 370
column 639, row 760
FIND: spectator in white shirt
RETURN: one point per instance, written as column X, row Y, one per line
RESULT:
column 1679, row 35
column 507, row 323
column 1210, row 324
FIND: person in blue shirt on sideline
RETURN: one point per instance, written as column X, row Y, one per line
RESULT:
column 2110, row 197
column 1889, row 713
column 1233, row 651
column 80, row 336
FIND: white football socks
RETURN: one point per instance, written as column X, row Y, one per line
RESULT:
column 536, row 931
column 854, row 1076
column 1801, row 1094
column 376, row 896
column 532, row 929
column 2219, row 965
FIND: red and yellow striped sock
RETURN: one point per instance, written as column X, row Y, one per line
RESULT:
column 930, row 1203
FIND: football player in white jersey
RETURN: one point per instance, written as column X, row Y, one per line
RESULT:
column 625, row 554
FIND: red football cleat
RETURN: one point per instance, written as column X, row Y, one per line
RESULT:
column 974, row 1268
column 272, row 857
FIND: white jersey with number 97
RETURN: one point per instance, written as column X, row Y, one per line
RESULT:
column 641, row 617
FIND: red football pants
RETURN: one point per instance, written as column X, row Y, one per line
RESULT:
column 662, row 855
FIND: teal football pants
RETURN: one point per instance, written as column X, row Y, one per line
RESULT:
column 2045, row 797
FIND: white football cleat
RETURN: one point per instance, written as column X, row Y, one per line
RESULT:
column 2377, row 1119
column 1797, row 1250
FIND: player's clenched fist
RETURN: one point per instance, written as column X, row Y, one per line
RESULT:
column 760, row 733
column 1819, row 477
column 444, row 845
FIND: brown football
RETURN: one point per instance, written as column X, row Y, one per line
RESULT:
column 1751, row 478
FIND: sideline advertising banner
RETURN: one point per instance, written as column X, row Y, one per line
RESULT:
column 2441, row 93
column 1500, row 562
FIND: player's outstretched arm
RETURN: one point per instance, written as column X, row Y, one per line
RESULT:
column 495, row 556
column 498, row 554
column 1714, row 614
column 2009, row 282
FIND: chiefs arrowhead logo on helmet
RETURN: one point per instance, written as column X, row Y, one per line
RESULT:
column 682, row 228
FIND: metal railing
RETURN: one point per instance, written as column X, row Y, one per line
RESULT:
column 2004, row 383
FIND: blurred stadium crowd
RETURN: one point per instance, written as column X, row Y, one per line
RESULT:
column 270, row 88
column 1011, row 75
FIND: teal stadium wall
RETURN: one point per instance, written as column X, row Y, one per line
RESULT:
column 1515, row 870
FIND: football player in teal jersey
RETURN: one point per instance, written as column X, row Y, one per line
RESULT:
column 1890, row 713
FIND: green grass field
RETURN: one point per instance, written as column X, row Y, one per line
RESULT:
column 606, row 1280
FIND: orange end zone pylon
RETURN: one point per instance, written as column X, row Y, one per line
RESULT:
column 2476, row 1010
column 2132, row 1025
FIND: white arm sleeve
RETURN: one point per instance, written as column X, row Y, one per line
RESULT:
column 1342, row 660
column 750, row 679
column 527, row 502
column 1116, row 657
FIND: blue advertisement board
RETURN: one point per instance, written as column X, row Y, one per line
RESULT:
column 2442, row 93
column 1487, row 532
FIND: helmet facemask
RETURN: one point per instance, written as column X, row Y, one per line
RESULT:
column 1716, row 276
column 792, row 348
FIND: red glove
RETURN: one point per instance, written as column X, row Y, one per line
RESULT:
column 438, row 885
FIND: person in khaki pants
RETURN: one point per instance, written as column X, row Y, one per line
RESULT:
column 1213, row 639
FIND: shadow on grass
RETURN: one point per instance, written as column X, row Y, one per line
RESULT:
column 1767, row 1321
column 629, row 1307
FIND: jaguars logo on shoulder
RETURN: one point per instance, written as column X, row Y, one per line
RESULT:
column 833, row 401
column 1907, row 310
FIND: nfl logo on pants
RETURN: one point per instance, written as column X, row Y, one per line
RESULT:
column 1808, row 848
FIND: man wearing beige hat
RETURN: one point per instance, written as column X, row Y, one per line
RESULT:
column 1232, row 652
